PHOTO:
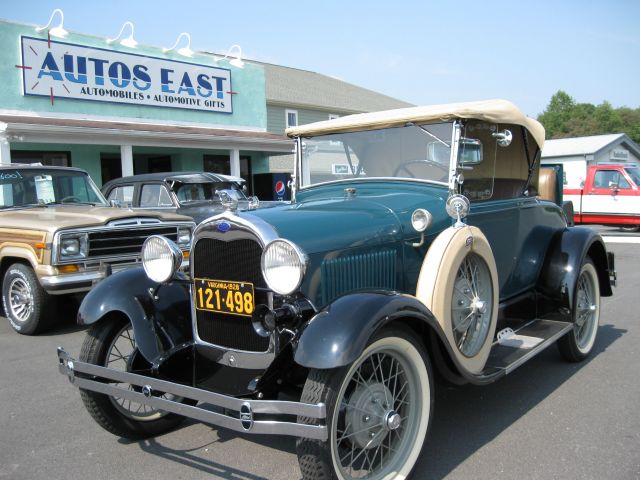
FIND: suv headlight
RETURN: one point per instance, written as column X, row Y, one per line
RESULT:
column 283, row 266
column 161, row 258
column 73, row 246
column 184, row 236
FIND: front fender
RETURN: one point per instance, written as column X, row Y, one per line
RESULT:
column 339, row 333
column 161, row 317
column 561, row 268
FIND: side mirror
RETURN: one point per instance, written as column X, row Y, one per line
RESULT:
column 470, row 151
column 115, row 203
column 614, row 187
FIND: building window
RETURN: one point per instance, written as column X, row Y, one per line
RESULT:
column 216, row 164
column 292, row 118
column 53, row 159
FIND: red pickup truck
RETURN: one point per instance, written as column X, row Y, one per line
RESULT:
column 610, row 196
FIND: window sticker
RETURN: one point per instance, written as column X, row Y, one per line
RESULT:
column 44, row 189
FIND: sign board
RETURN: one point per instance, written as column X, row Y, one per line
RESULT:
column 63, row 70
column 619, row 154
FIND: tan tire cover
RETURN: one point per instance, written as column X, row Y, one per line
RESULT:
column 437, row 278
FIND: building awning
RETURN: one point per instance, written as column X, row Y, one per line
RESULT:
column 36, row 129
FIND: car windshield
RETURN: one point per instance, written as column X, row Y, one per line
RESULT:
column 411, row 151
column 634, row 173
column 26, row 187
column 198, row 192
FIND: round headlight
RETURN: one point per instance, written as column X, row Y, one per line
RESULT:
column 283, row 266
column 421, row 220
column 161, row 258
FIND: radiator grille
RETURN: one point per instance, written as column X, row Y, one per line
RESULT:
column 115, row 243
column 357, row 272
column 237, row 260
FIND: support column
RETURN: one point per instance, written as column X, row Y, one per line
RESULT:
column 5, row 147
column 6, row 197
column 235, row 162
column 126, row 160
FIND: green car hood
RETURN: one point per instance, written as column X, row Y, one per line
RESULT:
column 327, row 219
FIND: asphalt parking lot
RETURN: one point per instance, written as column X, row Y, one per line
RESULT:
column 547, row 420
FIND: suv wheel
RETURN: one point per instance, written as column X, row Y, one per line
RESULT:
column 25, row 301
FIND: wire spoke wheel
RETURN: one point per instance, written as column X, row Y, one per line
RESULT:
column 471, row 308
column 587, row 309
column 111, row 343
column 120, row 356
column 379, row 409
column 577, row 344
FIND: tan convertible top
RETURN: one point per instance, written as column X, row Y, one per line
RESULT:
column 495, row 111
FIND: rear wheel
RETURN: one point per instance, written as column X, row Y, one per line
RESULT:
column 577, row 344
column 27, row 305
column 378, row 412
column 111, row 343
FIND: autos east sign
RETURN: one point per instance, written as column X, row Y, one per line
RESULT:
column 63, row 70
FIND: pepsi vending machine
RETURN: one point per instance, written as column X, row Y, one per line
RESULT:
column 272, row 186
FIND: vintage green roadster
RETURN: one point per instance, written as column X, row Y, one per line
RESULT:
column 421, row 244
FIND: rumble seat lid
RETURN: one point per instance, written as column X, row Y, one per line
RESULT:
column 495, row 111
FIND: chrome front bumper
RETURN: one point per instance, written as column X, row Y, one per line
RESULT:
column 85, row 281
column 241, row 411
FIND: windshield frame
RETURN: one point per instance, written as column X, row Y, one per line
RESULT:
column 634, row 175
column 56, row 174
column 450, row 181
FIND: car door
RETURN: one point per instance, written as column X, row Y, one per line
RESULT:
column 610, row 194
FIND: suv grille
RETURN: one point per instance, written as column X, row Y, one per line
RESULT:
column 116, row 243
column 239, row 261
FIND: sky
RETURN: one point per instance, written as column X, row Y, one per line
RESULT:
column 423, row 52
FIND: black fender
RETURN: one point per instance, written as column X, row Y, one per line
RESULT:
column 339, row 333
column 563, row 261
column 159, row 313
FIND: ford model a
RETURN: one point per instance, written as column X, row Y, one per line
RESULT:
column 419, row 242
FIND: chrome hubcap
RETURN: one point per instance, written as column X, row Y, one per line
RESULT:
column 21, row 300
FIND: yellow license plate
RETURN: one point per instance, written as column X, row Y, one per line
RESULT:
column 223, row 296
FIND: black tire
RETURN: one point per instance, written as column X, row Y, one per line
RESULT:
column 576, row 345
column 117, row 416
column 376, row 412
column 28, row 307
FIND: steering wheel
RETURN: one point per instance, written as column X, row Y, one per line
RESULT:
column 70, row 199
column 404, row 166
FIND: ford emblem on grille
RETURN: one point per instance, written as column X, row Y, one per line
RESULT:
column 224, row 226
column 246, row 416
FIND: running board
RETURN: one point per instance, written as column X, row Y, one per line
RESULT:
column 517, row 347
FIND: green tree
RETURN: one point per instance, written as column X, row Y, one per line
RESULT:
column 564, row 118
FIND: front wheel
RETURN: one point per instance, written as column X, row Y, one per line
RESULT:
column 378, row 412
column 111, row 343
column 578, row 343
column 29, row 308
